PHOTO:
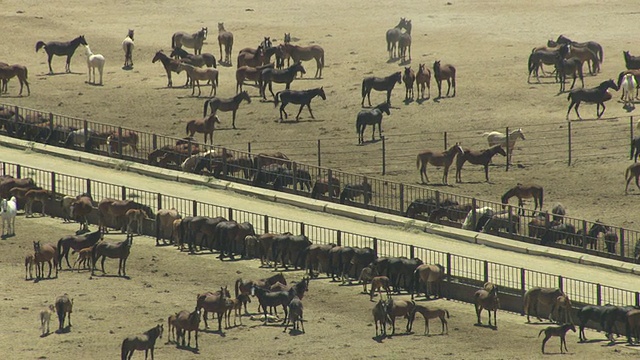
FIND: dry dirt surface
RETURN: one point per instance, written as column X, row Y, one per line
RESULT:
column 162, row 281
column 488, row 42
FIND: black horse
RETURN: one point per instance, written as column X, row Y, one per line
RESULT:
column 61, row 48
column 352, row 191
column 302, row 98
column 630, row 61
column 380, row 84
column 635, row 148
column 271, row 75
column 199, row 60
column 371, row 117
column 597, row 95
column 564, row 67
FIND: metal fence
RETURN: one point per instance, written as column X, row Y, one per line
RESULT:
column 460, row 269
column 578, row 140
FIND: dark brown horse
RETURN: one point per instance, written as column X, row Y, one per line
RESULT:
column 525, row 191
column 187, row 322
column 434, row 158
column 380, row 84
column 393, row 36
column 302, row 98
column 253, row 58
column 44, row 253
column 200, row 60
column 170, row 65
column 371, row 117
column 305, row 53
column 409, row 78
column 16, row 70
column 572, row 67
column 597, row 95
column 61, row 48
column 482, row 157
column 116, row 210
column 77, row 243
column 114, row 250
column 249, row 73
column 631, row 62
column 145, row 341
column 213, row 302
column 225, row 38
column 444, row 72
column 226, row 104
column 205, row 126
column 423, row 78
column 404, row 42
column 285, row 76
column 127, row 138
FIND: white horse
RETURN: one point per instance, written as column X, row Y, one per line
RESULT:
column 628, row 86
column 498, row 138
column 127, row 46
column 8, row 212
column 94, row 61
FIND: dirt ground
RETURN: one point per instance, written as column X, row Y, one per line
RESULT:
column 162, row 281
column 489, row 43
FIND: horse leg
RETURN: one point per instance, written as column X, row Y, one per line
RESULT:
column 389, row 97
column 68, row 67
column 598, row 107
column 233, row 121
column 576, row 108
column 50, row 56
column 170, row 83
column 308, row 108
column 283, row 111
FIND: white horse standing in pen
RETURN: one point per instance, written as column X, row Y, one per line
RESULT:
column 94, row 61
column 127, row 46
column 8, row 212
column 628, row 86
column 498, row 138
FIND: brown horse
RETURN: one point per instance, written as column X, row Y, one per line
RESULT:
column 193, row 41
column 525, row 191
column 226, row 104
column 378, row 283
column 44, row 253
column 431, row 276
column 380, row 315
column 249, row 73
column 214, row 302
column 187, row 321
column 170, row 65
column 225, row 38
column 80, row 208
column 475, row 157
column 135, row 216
column 114, row 250
column 585, row 55
column 444, row 159
column 404, row 42
column 17, row 70
column 145, row 341
column 430, row 313
column 564, row 310
column 35, row 195
column 117, row 209
column 196, row 74
column 409, row 77
column 326, row 186
column 423, row 78
column 560, row 331
column 205, row 126
column 268, row 76
column 61, row 48
column 444, row 72
column 253, row 58
column 380, row 84
column 397, row 308
column 538, row 295
column 487, row 299
column 164, row 224
column 305, row 53
column 64, row 306
column 77, row 243
column 127, row 138
column 633, row 171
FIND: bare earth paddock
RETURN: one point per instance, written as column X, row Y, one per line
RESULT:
column 488, row 42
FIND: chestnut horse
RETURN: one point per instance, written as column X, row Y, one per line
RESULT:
column 444, row 159
column 249, row 73
column 444, row 72
column 196, row 74
column 423, row 78
column 193, row 41
column 525, row 191
column 205, row 126
column 537, row 295
column 17, row 70
column 305, row 53
column 170, row 65
column 117, row 209
column 127, row 138
column 114, row 250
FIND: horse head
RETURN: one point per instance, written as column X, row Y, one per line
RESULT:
column 130, row 34
column 221, row 26
column 82, row 40
column 287, row 38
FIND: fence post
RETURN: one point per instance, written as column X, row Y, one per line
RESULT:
column 637, row 298
column 622, row 242
column 154, row 142
column 123, row 192
column 448, row 265
column 194, row 208
column 560, row 283
column 330, row 183
column 159, row 201
column 569, row 142
column 412, row 252
column 584, row 234
column 402, row 199
column 4, row 168
column 523, row 285
column 301, row 228
column 266, row 224
column 294, row 169
column 508, row 151
column 512, row 227
column 474, row 213
column 437, row 198
column 445, row 140
column 85, row 125
column 339, row 237
column 230, row 214
column 249, row 147
column 224, row 163
column 599, row 294
column 375, row 247
column 89, row 187
column 120, row 141
column 19, row 171
column 51, row 123
column 384, row 162
column 319, row 162
column 53, row 182
column 486, row 271
column 631, row 135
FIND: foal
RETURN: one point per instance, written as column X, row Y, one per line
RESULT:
column 560, row 331
column 45, row 317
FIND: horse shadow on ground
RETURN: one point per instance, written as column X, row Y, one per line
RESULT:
column 64, row 330
column 171, row 88
column 93, row 84
column 63, row 73
column 365, row 142
column 629, row 107
column 392, row 60
column 408, row 101
column 295, row 332
column 7, row 96
column 6, row 236
column 486, row 326
column 225, row 64
column 126, row 277
column 127, row 68
column 46, row 334
column 404, row 62
column 592, row 341
column 294, row 121
column 421, row 101
column 219, row 332
column 37, row 280
column 188, row 348
column 435, row 184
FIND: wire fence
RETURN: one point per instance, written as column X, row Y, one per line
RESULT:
column 460, row 269
column 576, row 140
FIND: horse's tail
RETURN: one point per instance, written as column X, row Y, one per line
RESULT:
column 187, row 126
column 569, row 96
column 600, row 53
column 418, row 162
column 541, row 196
column 364, row 92
column 206, row 104
column 446, row 312
column 626, row 173
column 620, row 77
column 238, row 282
column 540, row 333
column 275, row 103
column 527, row 302
column 123, row 351
column 158, row 227
column 59, row 252
column 173, row 41
column 60, row 311
column 40, row 45
column 94, row 256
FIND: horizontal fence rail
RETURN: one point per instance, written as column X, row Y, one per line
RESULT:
column 460, row 269
column 581, row 139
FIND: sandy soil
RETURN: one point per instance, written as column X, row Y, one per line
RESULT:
column 489, row 43
column 163, row 281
